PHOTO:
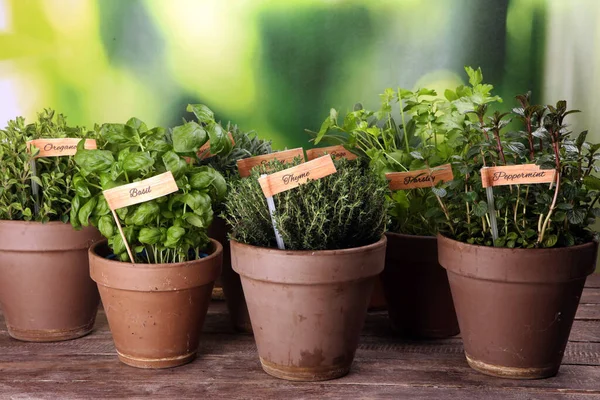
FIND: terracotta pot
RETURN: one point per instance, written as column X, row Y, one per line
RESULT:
column 307, row 307
column 46, row 292
column 155, row 311
column 516, row 306
column 230, row 280
column 416, row 288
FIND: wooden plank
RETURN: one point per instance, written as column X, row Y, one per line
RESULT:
column 245, row 369
column 590, row 296
column 589, row 312
column 295, row 176
column 593, row 281
column 274, row 390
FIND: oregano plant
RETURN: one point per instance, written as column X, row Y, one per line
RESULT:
column 53, row 175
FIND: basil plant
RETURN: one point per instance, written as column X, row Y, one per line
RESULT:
column 168, row 229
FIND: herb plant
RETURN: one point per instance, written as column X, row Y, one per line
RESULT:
column 423, row 139
column 53, row 175
column 168, row 229
column 528, row 216
column 343, row 210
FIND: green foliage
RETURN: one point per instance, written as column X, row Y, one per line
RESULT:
column 247, row 144
column 423, row 139
column 343, row 210
column 528, row 216
column 53, row 174
column 169, row 229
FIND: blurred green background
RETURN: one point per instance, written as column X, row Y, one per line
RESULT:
column 278, row 66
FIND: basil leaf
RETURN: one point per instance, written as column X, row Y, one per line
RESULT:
column 202, row 112
column 138, row 162
column 174, row 163
column 188, row 138
column 106, row 226
column 174, row 235
column 86, row 211
column 94, row 160
column 150, row 235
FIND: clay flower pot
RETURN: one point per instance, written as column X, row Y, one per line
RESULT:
column 416, row 288
column 230, row 280
column 46, row 292
column 516, row 306
column 307, row 307
column 155, row 311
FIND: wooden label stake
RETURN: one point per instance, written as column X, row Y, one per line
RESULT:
column 293, row 177
column 245, row 165
column 516, row 175
column 59, row 147
column 420, row 178
column 336, row 151
column 204, row 151
column 138, row 192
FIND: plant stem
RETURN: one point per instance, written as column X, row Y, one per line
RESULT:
column 403, row 122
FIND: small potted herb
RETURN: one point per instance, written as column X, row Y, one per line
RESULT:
column 416, row 287
column 246, row 144
column 308, row 303
column 46, row 293
column 518, row 255
column 156, row 302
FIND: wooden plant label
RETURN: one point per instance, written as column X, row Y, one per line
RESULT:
column 515, row 175
column 245, row 165
column 139, row 192
column 59, row 147
column 420, row 178
column 293, row 177
column 336, row 151
column 204, row 151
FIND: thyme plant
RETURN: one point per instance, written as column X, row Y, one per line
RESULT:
column 344, row 210
column 53, row 174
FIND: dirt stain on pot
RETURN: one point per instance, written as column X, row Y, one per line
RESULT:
column 308, row 359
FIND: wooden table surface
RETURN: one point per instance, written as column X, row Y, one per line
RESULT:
column 228, row 368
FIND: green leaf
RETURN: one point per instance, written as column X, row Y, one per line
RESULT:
column 174, row 163
column 220, row 144
column 81, row 187
column 137, row 124
column 592, row 182
column 480, row 208
column 145, row 213
column 94, row 160
column 86, row 211
column 475, row 76
column 107, row 226
column 188, row 138
column 138, row 162
column 75, row 206
column 150, row 235
column 550, row 241
column 202, row 112
column 174, row 235
column 114, row 133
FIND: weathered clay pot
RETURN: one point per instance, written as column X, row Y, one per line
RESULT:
column 46, row 292
column 230, row 280
column 307, row 307
column 416, row 288
column 516, row 306
column 155, row 311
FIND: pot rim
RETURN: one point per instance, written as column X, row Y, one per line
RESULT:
column 520, row 249
column 269, row 250
column 406, row 235
column 115, row 263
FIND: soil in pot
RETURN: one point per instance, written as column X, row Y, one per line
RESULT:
column 516, row 307
column 46, row 293
column 416, row 288
column 155, row 311
column 230, row 280
column 307, row 307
